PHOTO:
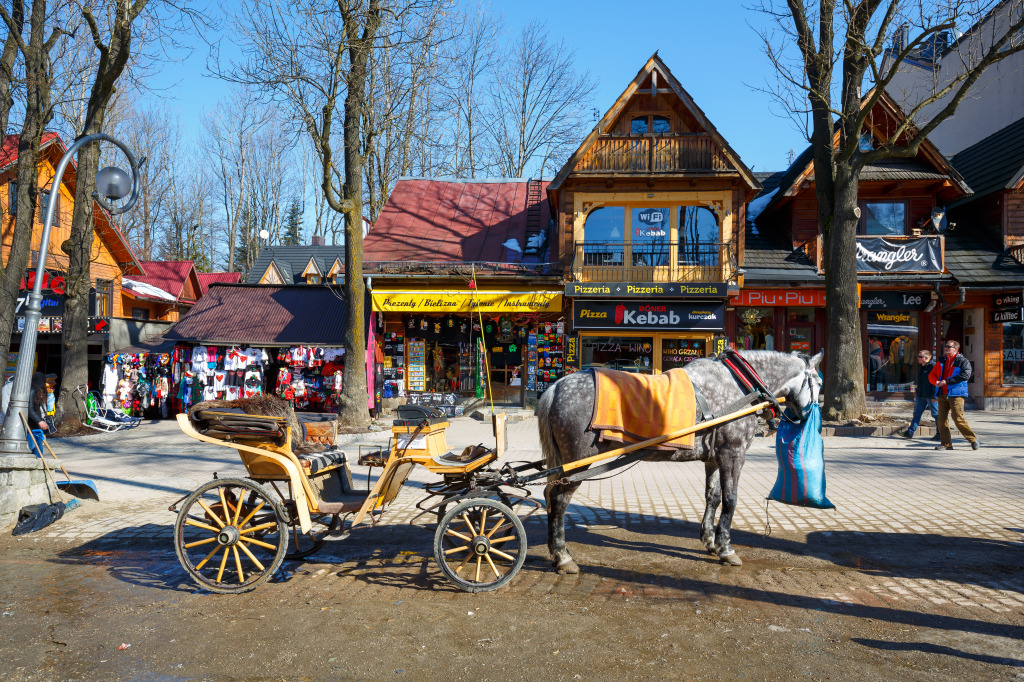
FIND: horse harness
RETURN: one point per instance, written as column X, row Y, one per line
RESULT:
column 750, row 383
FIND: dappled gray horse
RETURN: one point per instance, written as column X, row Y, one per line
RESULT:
column 564, row 415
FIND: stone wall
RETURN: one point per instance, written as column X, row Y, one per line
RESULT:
column 23, row 481
column 994, row 403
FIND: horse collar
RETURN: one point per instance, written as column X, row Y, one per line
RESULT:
column 749, row 380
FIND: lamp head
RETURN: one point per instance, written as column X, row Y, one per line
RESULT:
column 113, row 183
column 264, row 235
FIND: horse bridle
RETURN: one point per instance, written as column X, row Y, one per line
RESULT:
column 750, row 382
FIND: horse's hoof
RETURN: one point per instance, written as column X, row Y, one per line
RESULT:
column 567, row 567
column 731, row 559
column 711, row 550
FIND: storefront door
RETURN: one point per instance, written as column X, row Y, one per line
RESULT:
column 801, row 338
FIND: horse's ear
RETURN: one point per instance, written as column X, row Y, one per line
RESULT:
column 816, row 360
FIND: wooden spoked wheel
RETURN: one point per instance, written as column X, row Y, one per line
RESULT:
column 480, row 545
column 304, row 544
column 231, row 535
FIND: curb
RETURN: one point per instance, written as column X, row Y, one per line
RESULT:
column 876, row 431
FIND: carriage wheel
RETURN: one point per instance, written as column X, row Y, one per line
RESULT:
column 480, row 545
column 304, row 544
column 231, row 535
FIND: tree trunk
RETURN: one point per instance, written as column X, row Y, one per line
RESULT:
column 37, row 114
column 844, row 379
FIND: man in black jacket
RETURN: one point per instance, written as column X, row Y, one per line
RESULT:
column 925, row 394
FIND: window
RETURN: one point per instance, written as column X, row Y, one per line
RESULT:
column 140, row 314
column 1013, row 353
column 604, row 235
column 103, row 302
column 755, row 329
column 312, row 279
column 892, row 350
column 698, row 236
column 650, row 236
column 883, row 218
column 629, row 354
column 12, row 198
column 44, row 199
column 641, row 125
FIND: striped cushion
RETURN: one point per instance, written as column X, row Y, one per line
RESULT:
column 316, row 461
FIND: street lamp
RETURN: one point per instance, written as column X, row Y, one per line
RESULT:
column 114, row 184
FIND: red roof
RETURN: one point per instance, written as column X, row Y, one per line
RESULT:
column 9, row 151
column 172, row 276
column 208, row 278
column 452, row 221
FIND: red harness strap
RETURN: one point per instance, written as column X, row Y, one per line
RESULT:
column 748, row 377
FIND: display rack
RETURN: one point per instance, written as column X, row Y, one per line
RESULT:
column 550, row 360
column 416, row 370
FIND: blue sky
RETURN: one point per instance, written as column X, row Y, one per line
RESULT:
column 709, row 46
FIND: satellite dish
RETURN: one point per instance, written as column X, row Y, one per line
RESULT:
column 264, row 235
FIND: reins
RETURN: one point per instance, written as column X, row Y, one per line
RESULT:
column 749, row 380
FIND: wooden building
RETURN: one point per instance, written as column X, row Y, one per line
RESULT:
column 649, row 229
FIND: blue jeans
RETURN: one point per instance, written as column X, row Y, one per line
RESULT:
column 919, row 405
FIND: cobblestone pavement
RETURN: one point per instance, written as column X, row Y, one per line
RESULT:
column 880, row 486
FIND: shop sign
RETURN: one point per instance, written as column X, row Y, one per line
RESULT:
column 444, row 301
column 767, row 298
column 50, row 304
column 890, row 318
column 1010, row 300
column 572, row 356
column 876, row 254
column 647, row 289
column 1013, row 315
column 623, row 315
column 98, row 324
column 54, row 283
column 895, row 300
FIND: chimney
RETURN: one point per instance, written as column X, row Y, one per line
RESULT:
column 316, row 240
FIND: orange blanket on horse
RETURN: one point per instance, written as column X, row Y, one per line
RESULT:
column 634, row 407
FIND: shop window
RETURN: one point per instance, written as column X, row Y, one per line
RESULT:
column 881, row 218
column 676, row 353
column 892, row 350
column 629, row 354
column 755, row 328
column 12, row 198
column 103, row 302
column 650, row 236
column 698, row 236
column 1013, row 353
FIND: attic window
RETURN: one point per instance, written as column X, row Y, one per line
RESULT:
column 865, row 143
column 641, row 125
column 312, row 279
column 638, row 126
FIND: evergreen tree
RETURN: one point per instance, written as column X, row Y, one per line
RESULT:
column 292, row 234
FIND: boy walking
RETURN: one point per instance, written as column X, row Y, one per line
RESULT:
column 950, row 376
column 925, row 395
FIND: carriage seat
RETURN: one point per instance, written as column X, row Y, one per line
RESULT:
column 471, row 454
column 318, row 461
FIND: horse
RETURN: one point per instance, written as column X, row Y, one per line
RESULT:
column 565, row 410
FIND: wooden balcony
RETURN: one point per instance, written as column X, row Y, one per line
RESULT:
column 653, row 262
column 649, row 154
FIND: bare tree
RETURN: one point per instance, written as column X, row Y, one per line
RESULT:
column 154, row 133
column 229, row 131
column 8, row 59
column 538, row 103
column 187, row 213
column 38, row 110
column 823, row 52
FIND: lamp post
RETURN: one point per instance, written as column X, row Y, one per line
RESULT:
column 112, row 183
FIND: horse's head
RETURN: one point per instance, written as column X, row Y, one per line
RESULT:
column 801, row 391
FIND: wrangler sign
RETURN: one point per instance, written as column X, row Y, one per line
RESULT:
column 626, row 315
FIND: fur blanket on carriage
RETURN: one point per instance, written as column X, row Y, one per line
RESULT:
column 248, row 427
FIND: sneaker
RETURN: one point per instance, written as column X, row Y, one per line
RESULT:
column 905, row 434
column 943, row 447
column 974, row 445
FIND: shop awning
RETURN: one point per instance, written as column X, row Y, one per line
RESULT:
column 265, row 315
column 397, row 300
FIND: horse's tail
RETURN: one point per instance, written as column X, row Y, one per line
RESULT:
column 552, row 455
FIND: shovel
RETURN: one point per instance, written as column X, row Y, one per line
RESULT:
column 83, row 488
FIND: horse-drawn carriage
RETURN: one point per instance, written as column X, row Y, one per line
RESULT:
column 232, row 534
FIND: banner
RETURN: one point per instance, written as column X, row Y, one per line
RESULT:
column 446, row 301
column 876, row 254
column 627, row 315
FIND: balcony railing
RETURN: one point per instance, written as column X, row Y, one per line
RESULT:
column 663, row 261
column 646, row 154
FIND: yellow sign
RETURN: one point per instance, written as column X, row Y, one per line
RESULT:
column 446, row 301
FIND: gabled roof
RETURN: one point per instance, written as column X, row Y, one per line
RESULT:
column 454, row 221
column 266, row 315
column 311, row 268
column 291, row 261
column 929, row 164
column 996, row 162
column 655, row 64
column 53, row 147
column 177, row 277
column 208, row 278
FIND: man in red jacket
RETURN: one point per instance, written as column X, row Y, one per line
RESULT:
column 950, row 375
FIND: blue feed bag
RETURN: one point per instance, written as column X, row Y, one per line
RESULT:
column 801, row 454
